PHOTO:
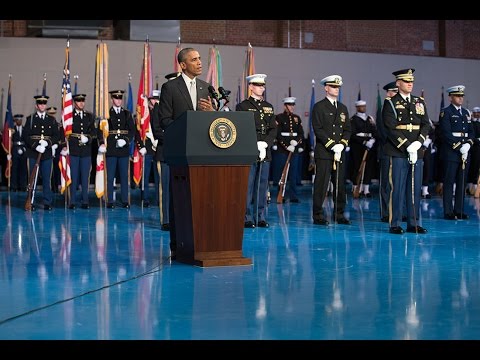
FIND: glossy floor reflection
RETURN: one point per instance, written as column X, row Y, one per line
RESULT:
column 96, row 274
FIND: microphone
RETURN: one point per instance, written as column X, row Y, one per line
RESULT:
column 224, row 93
column 214, row 95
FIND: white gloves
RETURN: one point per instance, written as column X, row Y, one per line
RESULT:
column 83, row 139
column 465, row 156
column 465, row 148
column 274, row 147
column 40, row 149
column 300, row 150
column 414, row 146
column 262, row 148
column 142, row 151
column 427, row 142
column 291, row 148
column 121, row 143
column 43, row 143
column 54, row 148
column 338, row 148
column 293, row 143
column 102, row 149
column 64, row 152
column 370, row 143
column 20, row 151
column 9, row 157
column 347, row 149
column 312, row 154
column 412, row 157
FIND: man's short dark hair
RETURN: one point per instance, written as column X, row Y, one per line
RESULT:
column 182, row 55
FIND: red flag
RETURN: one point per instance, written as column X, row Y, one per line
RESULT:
column 176, row 65
column 143, row 113
column 67, row 121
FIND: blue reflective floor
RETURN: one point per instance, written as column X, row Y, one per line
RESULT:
column 96, row 274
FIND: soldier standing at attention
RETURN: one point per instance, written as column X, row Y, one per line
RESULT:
column 407, row 125
column 121, row 129
column 458, row 136
column 289, row 140
column 266, row 134
column 18, row 173
column 42, row 137
column 80, row 148
column 331, row 125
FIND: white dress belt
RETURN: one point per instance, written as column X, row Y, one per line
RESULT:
column 288, row 134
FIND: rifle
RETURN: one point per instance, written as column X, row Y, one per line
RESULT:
column 32, row 184
column 283, row 180
column 361, row 173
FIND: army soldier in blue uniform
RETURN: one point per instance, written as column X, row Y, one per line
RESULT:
column 266, row 134
column 121, row 129
column 407, row 125
column 41, row 136
column 18, row 173
column 331, row 125
column 289, row 139
column 458, row 135
column 80, row 148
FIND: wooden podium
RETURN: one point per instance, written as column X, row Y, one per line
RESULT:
column 210, row 154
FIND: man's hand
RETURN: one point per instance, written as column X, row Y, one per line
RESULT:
column 205, row 104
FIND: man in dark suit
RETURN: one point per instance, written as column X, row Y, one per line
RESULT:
column 19, row 173
column 407, row 125
column 41, row 136
column 186, row 92
column 458, row 136
column 331, row 125
column 80, row 148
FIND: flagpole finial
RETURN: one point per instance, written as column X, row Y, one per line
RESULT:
column 9, row 76
column 179, row 40
column 129, row 77
column 313, row 82
column 147, row 38
column 44, row 76
column 75, row 76
column 68, row 40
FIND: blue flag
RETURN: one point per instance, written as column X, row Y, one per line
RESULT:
column 442, row 102
column 130, row 108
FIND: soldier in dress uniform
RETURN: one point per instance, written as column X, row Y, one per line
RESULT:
column 289, row 140
column 266, row 133
column 80, row 148
column 117, row 147
column 384, row 186
column 41, row 136
column 56, row 180
column 407, row 126
column 458, row 136
column 331, row 125
column 18, row 172
column 363, row 138
column 473, row 171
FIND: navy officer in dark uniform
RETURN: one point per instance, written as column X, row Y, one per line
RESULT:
column 121, row 129
column 41, row 136
column 289, row 139
column 407, row 125
column 80, row 148
column 331, row 125
column 458, row 135
column 18, row 173
column 266, row 133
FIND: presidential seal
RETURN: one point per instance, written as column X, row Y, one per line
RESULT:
column 223, row 133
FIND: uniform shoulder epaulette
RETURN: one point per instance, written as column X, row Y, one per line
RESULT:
column 388, row 98
column 441, row 113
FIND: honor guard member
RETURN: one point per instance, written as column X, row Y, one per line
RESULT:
column 407, row 125
column 56, row 175
column 458, row 136
column 41, row 136
column 331, row 125
column 80, row 148
column 266, row 133
column 121, row 129
column 474, row 169
column 384, row 160
column 363, row 138
column 289, row 140
column 18, row 173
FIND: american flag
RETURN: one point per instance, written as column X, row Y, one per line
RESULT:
column 67, row 121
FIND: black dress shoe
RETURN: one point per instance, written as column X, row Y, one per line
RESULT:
column 384, row 219
column 294, row 200
column 126, row 205
column 368, row 195
column 110, row 206
column 263, row 223
column 146, row 204
column 71, row 206
column 396, row 230
column 249, row 224
column 426, row 196
column 450, row 216
column 320, row 222
column 47, row 207
column 165, row 227
column 33, row 208
column 462, row 216
column 343, row 220
column 85, row 206
column 418, row 229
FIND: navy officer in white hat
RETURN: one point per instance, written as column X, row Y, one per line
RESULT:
column 331, row 125
column 458, row 137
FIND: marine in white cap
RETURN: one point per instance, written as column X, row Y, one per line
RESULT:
column 362, row 141
column 331, row 124
column 457, row 139
column 266, row 129
column 289, row 141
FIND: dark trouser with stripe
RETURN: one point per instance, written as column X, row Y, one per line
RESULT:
column 454, row 174
column 80, row 168
column 253, row 178
column 384, row 185
column 45, row 171
column 325, row 172
column 123, row 163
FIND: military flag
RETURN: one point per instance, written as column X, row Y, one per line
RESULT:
column 379, row 105
column 176, row 65
column 7, row 128
column 248, row 69
column 44, row 88
column 359, row 97
column 75, row 89
column 214, row 73
column 130, row 108
column 311, row 134
column 442, row 101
